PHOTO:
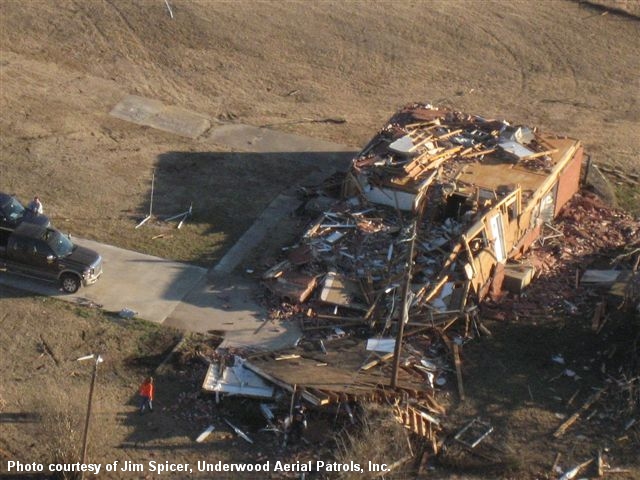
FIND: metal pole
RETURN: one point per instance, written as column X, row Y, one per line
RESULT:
column 85, row 436
column 286, row 430
column 153, row 182
column 405, row 307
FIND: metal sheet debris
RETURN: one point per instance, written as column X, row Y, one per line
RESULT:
column 381, row 344
column 236, row 380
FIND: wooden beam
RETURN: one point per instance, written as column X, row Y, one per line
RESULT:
column 456, row 359
column 373, row 363
column 540, row 154
column 573, row 418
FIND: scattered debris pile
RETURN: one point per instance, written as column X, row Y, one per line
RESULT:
column 586, row 263
column 439, row 201
column 437, row 213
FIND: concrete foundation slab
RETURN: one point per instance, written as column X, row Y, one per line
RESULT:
column 153, row 113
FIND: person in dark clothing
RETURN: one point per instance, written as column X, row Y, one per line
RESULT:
column 298, row 423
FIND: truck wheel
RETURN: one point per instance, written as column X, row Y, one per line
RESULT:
column 70, row 283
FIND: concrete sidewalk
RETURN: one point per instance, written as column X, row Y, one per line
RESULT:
column 225, row 300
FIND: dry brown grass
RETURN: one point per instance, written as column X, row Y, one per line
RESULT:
column 61, row 421
column 379, row 439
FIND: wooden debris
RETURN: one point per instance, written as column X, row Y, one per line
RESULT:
column 395, row 465
column 575, row 470
column 599, row 464
column 555, row 463
column 166, row 2
column 473, row 206
column 287, row 357
column 48, row 350
column 377, row 361
column 599, row 318
column 573, row 418
column 456, row 359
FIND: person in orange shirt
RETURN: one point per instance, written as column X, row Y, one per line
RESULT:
column 146, row 395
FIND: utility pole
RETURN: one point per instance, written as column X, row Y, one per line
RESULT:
column 87, row 420
column 405, row 306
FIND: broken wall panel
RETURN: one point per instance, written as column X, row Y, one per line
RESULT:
column 569, row 180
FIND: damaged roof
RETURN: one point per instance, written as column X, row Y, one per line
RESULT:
column 465, row 192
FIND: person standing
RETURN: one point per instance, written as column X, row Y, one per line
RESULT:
column 298, row 423
column 35, row 206
column 146, row 394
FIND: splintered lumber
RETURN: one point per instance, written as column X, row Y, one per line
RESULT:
column 394, row 465
column 599, row 464
column 290, row 356
column 555, row 462
column 341, row 318
column 419, row 138
column 573, row 418
column 575, row 470
column 456, row 359
column 377, row 361
column 426, row 160
column 430, row 404
column 436, row 288
column 448, row 134
column 479, row 153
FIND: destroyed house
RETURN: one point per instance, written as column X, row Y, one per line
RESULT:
column 433, row 214
column 459, row 194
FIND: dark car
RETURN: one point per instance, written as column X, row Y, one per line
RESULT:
column 13, row 213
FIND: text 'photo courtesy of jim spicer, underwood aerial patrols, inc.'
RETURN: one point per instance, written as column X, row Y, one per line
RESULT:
column 160, row 468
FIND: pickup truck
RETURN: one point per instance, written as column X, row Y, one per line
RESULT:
column 47, row 254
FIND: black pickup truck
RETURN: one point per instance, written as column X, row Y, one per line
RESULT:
column 45, row 253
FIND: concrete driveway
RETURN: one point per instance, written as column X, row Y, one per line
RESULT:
column 194, row 298
column 150, row 286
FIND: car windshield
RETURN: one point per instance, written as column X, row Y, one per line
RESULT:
column 60, row 244
column 13, row 209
